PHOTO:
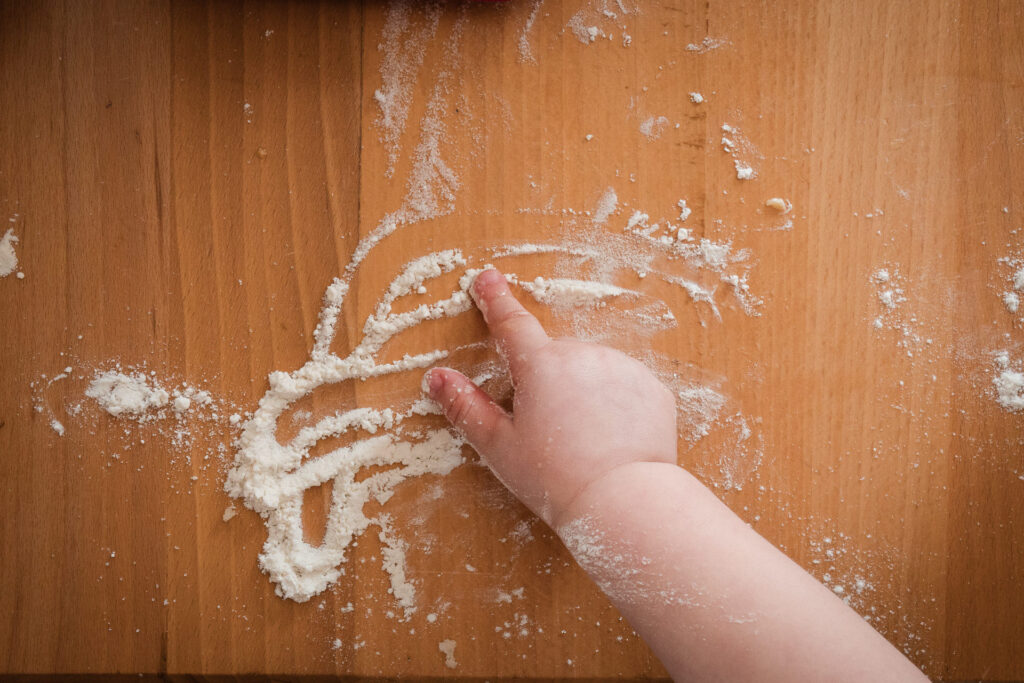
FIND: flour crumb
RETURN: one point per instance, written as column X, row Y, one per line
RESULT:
column 684, row 210
column 229, row 513
column 447, row 647
column 56, row 426
column 779, row 204
column 743, row 170
column 8, row 257
column 696, row 98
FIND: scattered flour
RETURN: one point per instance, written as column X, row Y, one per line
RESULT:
column 699, row 409
column 403, row 47
column 56, row 426
column 1011, row 296
column 126, row 394
column 584, row 33
column 525, row 52
column 447, row 647
column 653, row 126
column 606, row 206
column 696, row 98
column 1009, row 383
column 8, row 257
column 707, row 44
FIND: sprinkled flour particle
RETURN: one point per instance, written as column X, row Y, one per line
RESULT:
column 653, row 126
column 684, row 210
column 708, row 43
column 1011, row 297
column 431, row 618
column 606, row 206
column 743, row 171
column 8, row 258
column 229, row 513
column 588, row 137
column 448, row 648
column 56, row 426
column 779, row 204
column 126, row 394
column 585, row 34
column 696, row 98
column 181, row 404
column 336, row 645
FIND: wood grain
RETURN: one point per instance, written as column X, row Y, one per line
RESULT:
column 185, row 179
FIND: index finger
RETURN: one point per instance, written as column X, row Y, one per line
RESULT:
column 512, row 326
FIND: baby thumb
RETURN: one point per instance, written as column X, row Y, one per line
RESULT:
column 470, row 410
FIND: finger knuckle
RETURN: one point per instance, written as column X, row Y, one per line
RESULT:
column 462, row 405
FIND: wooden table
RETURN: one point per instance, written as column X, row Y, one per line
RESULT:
column 185, row 179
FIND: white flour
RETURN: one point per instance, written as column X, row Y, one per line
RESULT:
column 525, row 52
column 652, row 127
column 1015, row 284
column 8, row 258
column 743, row 170
column 271, row 474
column 606, row 206
column 571, row 293
column 403, row 46
column 127, row 394
column 447, row 647
column 707, row 44
column 1009, row 383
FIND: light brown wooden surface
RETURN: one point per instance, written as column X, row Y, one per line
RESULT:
column 163, row 225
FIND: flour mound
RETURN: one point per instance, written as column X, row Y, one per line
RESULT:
column 126, row 394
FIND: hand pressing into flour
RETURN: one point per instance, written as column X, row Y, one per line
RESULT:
column 580, row 410
column 590, row 447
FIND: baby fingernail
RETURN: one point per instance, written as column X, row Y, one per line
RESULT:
column 434, row 382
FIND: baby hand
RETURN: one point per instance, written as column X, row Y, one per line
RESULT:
column 580, row 410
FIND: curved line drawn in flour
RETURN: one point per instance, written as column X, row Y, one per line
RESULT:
column 272, row 477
